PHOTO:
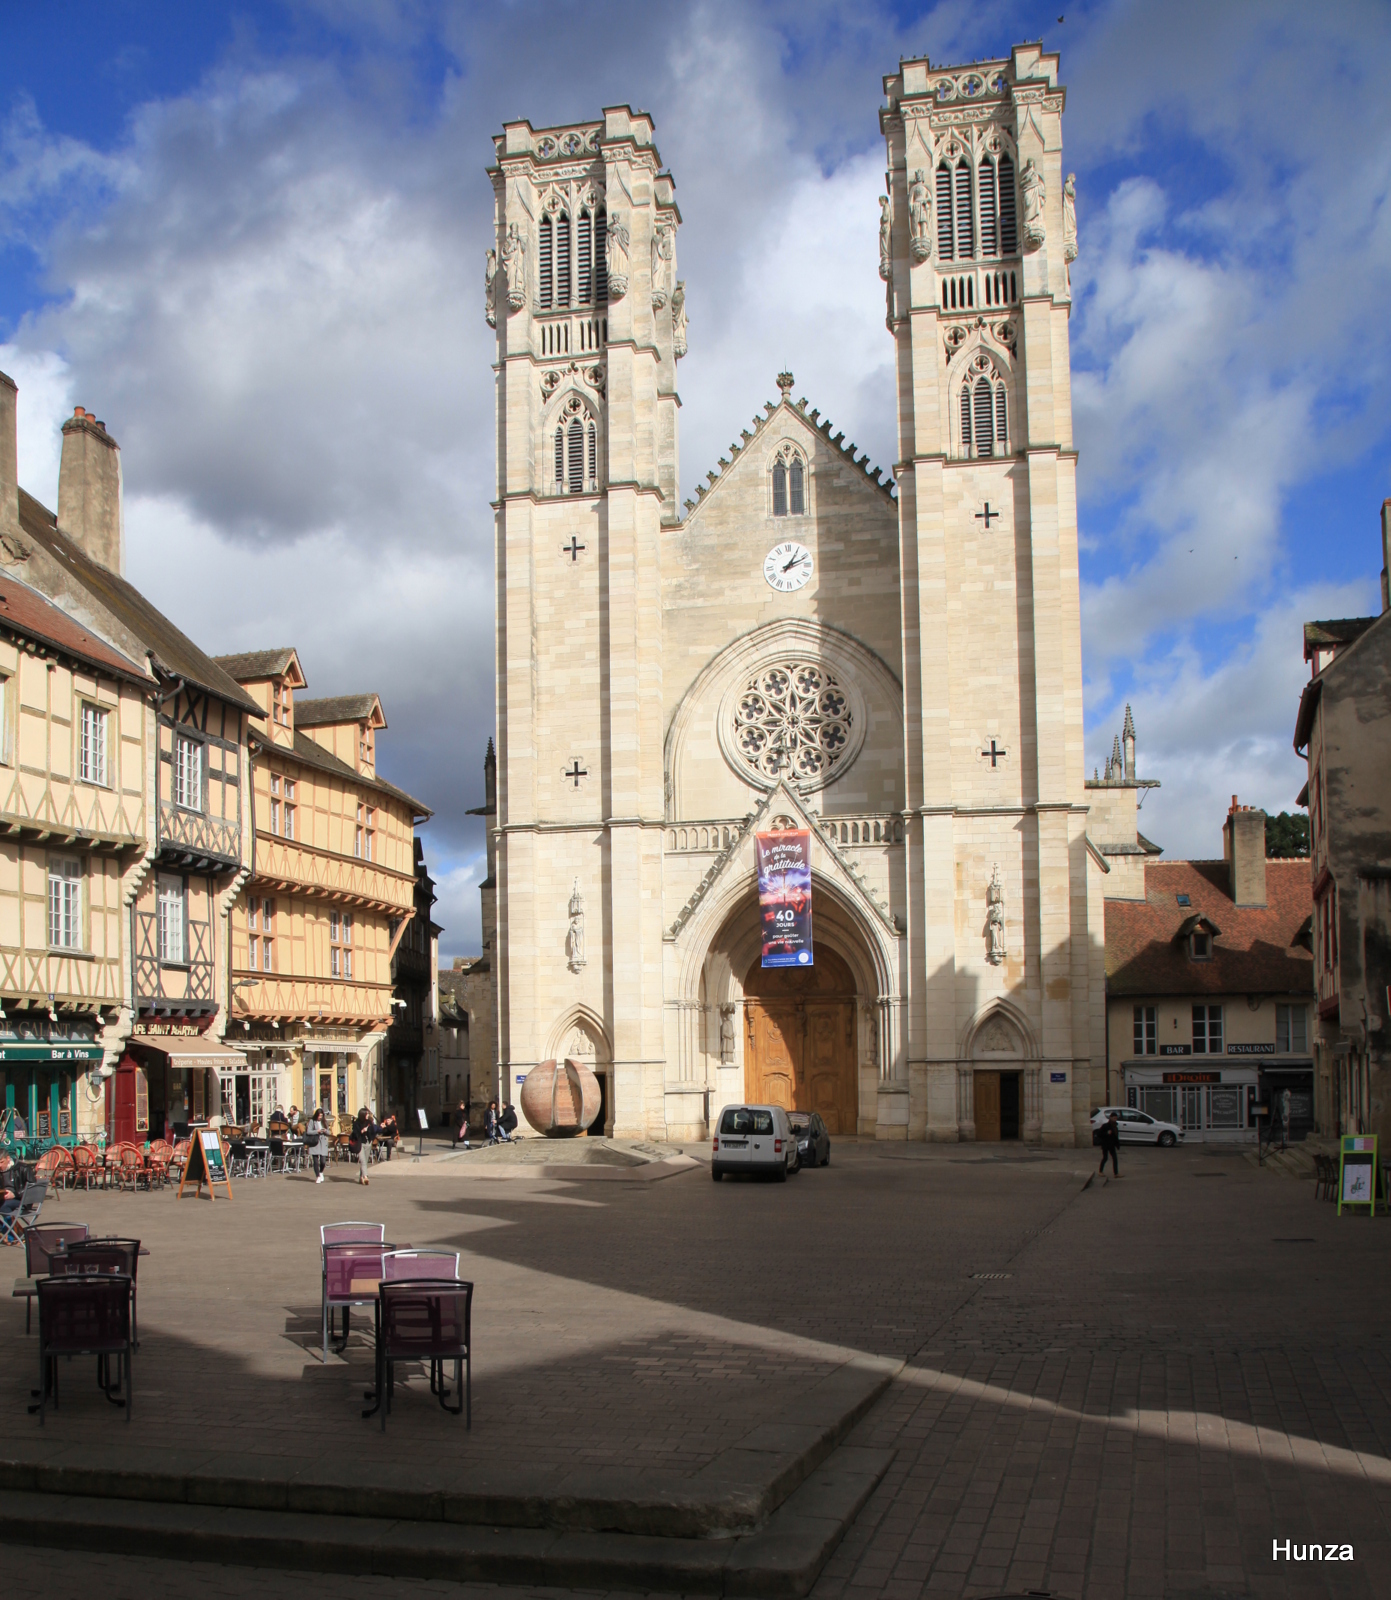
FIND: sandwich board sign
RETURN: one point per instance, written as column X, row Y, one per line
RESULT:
column 1357, row 1172
column 207, row 1163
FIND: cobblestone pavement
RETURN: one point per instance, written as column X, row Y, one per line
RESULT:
column 1128, row 1389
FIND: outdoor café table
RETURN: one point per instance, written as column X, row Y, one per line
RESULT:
column 294, row 1155
column 257, row 1158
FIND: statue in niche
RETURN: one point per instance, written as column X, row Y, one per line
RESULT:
column 574, row 937
column 490, row 289
column 1069, row 226
column 920, row 216
column 678, row 319
column 885, row 244
column 663, row 251
column 616, row 257
column 995, row 920
column 1035, row 193
column 514, row 266
column 727, row 1010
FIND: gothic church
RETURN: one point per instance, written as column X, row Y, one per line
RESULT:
column 894, row 663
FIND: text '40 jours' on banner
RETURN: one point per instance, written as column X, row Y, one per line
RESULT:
column 784, row 896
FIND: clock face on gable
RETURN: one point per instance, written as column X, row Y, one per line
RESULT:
column 787, row 566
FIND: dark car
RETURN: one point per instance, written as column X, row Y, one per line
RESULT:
column 813, row 1142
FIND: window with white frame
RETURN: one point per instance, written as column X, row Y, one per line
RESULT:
column 64, row 903
column 1291, row 1029
column 1207, row 1030
column 290, row 808
column 984, row 410
column 267, row 939
column 188, row 773
column 253, row 940
column 91, row 765
column 275, row 802
column 173, row 942
column 1146, row 1030
column 364, row 834
column 340, row 952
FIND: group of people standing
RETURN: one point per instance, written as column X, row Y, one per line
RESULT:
column 366, row 1131
column 499, row 1124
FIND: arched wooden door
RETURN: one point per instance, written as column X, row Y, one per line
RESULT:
column 801, row 1040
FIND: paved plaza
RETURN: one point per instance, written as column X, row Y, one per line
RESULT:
column 1117, row 1389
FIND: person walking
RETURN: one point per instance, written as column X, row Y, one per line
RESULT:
column 490, row 1122
column 317, row 1134
column 364, row 1129
column 461, row 1126
column 1109, row 1137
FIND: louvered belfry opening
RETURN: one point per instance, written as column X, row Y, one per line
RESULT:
column 795, row 488
column 545, row 264
column 966, row 435
column 946, row 250
column 1009, row 237
column 965, row 231
column 989, row 218
column 562, row 260
column 559, row 460
column 988, row 229
column 984, row 419
column 584, row 259
column 779, row 490
column 575, row 454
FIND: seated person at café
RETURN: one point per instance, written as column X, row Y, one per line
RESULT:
column 388, row 1132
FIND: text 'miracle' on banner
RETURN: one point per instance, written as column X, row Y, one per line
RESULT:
column 784, row 896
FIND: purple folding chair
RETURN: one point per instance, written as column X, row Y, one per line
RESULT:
column 426, row 1320
column 347, row 1265
column 40, row 1243
column 439, row 1265
column 351, row 1233
column 85, row 1314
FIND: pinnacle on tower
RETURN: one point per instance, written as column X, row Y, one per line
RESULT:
column 785, row 382
column 1129, row 730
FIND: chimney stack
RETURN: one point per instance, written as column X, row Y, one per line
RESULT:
column 9, row 455
column 89, row 491
column 1243, row 847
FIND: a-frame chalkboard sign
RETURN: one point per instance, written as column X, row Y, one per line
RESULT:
column 207, row 1163
column 1357, row 1172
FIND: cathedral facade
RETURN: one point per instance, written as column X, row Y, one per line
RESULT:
column 893, row 663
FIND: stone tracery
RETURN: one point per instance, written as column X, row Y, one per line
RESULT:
column 794, row 720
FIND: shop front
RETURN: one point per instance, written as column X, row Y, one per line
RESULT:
column 170, row 1077
column 335, row 1075
column 1287, row 1088
column 1216, row 1105
column 43, row 1069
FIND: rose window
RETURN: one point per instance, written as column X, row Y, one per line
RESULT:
column 793, row 721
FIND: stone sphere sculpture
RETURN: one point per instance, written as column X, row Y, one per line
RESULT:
column 561, row 1100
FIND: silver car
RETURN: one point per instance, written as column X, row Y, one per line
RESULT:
column 1137, row 1127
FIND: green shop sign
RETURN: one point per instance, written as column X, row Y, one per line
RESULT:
column 50, row 1052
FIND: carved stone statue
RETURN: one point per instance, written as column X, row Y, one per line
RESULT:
column 920, row 216
column 678, row 319
column 663, row 250
column 1035, row 193
column 885, row 228
column 995, row 920
column 1070, row 218
column 514, row 266
column 617, row 257
column 489, row 289
column 574, row 938
column 727, row 1010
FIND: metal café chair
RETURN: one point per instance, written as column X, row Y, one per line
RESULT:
column 438, row 1265
column 85, row 1314
column 352, row 1274
column 41, row 1243
column 108, row 1255
column 15, row 1223
column 429, row 1321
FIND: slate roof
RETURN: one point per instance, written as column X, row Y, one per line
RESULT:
column 305, row 751
column 172, row 651
column 28, row 613
column 813, row 419
column 1336, row 631
column 335, row 709
column 1255, row 953
column 257, row 663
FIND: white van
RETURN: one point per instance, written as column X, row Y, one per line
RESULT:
column 754, row 1139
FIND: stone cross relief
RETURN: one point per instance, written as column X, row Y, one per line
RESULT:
column 574, row 936
column 995, row 920
column 920, row 216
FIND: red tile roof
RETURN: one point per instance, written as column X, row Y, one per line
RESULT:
column 29, row 614
column 1256, row 952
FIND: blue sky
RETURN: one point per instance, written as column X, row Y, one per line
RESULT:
column 250, row 238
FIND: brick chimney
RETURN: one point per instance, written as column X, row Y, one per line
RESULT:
column 1243, row 848
column 89, row 490
column 9, row 455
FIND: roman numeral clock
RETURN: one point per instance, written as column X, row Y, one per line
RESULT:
column 788, row 566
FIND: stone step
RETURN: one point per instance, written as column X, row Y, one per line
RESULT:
column 780, row 1559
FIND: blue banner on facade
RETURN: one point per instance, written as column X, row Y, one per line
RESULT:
column 784, row 896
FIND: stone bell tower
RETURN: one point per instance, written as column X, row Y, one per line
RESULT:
column 581, row 287
column 977, row 236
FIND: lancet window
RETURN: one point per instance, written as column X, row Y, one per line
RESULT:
column 984, row 408
column 986, row 228
column 789, row 484
column 575, row 442
column 570, row 261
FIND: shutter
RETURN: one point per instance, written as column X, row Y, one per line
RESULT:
column 798, row 499
column 966, row 419
column 985, row 428
column 1009, row 237
column 593, row 456
column 601, row 260
column 584, row 262
column 545, row 265
column 562, row 260
column 779, row 490
column 560, row 458
column 944, row 232
column 576, row 462
column 965, row 232
column 989, row 232
column 1001, row 419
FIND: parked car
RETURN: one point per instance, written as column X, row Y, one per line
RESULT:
column 1137, row 1127
column 813, row 1141
column 754, row 1139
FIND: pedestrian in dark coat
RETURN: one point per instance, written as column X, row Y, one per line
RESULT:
column 1110, row 1140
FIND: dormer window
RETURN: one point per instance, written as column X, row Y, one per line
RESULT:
column 280, row 702
column 1200, row 945
column 364, row 743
